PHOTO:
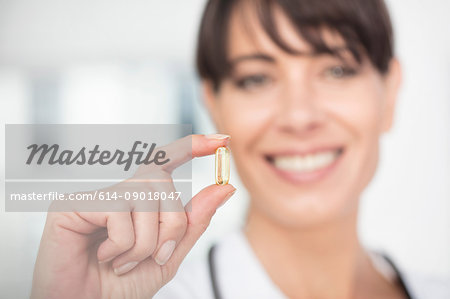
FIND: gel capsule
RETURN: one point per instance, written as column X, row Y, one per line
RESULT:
column 222, row 165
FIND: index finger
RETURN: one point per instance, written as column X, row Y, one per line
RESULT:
column 189, row 147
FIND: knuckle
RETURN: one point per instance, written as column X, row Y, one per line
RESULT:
column 127, row 242
column 176, row 223
column 179, row 226
column 179, row 221
column 144, row 249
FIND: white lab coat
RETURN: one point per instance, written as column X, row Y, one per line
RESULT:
column 240, row 275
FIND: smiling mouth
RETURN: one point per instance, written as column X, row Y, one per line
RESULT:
column 307, row 167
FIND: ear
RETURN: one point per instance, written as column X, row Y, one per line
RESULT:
column 393, row 81
column 210, row 100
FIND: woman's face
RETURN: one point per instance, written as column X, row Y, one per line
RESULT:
column 304, row 128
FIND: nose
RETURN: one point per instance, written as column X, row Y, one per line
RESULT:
column 299, row 110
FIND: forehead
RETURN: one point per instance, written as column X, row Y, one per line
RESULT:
column 247, row 34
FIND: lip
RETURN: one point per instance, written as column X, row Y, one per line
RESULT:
column 305, row 177
column 303, row 151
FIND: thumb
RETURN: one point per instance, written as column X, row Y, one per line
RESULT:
column 204, row 206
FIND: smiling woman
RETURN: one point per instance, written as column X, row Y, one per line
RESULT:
column 313, row 111
column 314, row 84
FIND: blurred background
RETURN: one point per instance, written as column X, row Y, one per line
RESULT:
column 115, row 61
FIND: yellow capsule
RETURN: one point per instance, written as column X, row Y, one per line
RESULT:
column 222, row 165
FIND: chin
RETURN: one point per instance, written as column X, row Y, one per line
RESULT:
column 309, row 211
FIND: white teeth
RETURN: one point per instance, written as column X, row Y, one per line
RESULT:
column 306, row 163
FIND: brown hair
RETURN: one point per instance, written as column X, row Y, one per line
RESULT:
column 364, row 25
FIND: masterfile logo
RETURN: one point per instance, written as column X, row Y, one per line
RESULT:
column 97, row 167
column 52, row 155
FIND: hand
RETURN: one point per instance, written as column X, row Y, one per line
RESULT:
column 124, row 254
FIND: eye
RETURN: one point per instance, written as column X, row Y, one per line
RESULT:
column 253, row 81
column 340, row 71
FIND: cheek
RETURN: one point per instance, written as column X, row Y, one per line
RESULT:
column 246, row 120
column 358, row 109
column 358, row 112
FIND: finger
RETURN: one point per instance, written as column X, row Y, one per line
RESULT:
column 204, row 205
column 187, row 148
column 146, row 236
column 204, row 145
column 172, row 227
column 120, row 235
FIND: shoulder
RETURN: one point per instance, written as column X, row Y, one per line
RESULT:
column 426, row 286
column 418, row 285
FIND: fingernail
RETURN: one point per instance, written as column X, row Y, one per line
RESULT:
column 165, row 252
column 125, row 268
column 217, row 136
column 227, row 197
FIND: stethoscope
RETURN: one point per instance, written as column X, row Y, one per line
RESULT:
column 216, row 292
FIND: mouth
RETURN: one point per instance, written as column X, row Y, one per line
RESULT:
column 305, row 168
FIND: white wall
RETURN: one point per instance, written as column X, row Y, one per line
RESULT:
column 135, row 52
column 407, row 208
column 54, row 32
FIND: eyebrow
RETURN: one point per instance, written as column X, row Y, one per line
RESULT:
column 250, row 57
column 263, row 57
column 271, row 59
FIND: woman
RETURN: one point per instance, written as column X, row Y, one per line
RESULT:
column 306, row 89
